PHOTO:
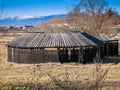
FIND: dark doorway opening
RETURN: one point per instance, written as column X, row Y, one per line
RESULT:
column 111, row 48
column 63, row 55
column 74, row 55
column 89, row 54
column 68, row 55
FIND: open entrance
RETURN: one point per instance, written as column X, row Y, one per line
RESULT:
column 74, row 55
column 68, row 55
column 63, row 55
column 111, row 48
column 89, row 54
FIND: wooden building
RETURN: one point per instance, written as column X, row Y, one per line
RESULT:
column 111, row 45
column 54, row 47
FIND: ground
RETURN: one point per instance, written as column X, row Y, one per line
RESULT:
column 57, row 76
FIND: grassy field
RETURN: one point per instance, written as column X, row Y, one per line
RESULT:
column 56, row 76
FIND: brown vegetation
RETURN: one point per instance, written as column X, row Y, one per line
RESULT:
column 70, row 76
column 92, row 16
column 53, row 75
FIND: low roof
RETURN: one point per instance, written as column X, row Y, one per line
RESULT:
column 92, row 38
column 52, row 40
column 108, row 38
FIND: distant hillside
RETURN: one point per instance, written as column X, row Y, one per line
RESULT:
column 28, row 21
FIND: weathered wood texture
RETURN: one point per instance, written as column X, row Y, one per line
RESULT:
column 20, row 55
column 111, row 48
column 51, row 40
column 90, row 54
column 41, row 55
column 53, row 47
column 111, row 45
column 119, row 47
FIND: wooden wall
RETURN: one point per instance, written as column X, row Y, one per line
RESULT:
column 33, row 55
column 119, row 47
column 111, row 48
column 89, row 53
column 42, row 55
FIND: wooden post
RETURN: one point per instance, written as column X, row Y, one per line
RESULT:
column 80, row 54
column 58, row 53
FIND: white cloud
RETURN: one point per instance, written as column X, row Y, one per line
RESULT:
column 26, row 17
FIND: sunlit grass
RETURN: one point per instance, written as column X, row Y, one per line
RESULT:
column 26, row 75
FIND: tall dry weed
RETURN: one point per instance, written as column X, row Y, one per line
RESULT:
column 99, row 72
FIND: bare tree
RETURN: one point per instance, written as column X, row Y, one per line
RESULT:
column 54, row 25
column 93, row 16
column 45, row 27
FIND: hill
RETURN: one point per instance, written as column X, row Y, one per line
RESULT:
column 16, row 21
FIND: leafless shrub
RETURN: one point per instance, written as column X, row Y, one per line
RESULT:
column 99, row 72
column 92, row 16
column 65, row 83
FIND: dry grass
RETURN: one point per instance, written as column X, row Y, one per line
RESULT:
column 3, row 53
column 55, row 75
column 38, row 74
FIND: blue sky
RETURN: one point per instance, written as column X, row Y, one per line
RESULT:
column 35, row 8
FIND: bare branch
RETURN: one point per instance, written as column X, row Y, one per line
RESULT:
column 92, row 16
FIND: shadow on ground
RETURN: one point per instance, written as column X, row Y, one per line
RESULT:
column 63, row 86
column 111, row 59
